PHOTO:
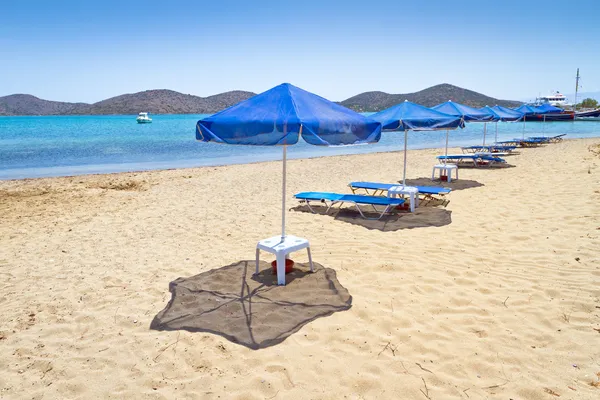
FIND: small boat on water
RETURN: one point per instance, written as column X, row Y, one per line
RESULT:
column 588, row 115
column 143, row 118
column 562, row 116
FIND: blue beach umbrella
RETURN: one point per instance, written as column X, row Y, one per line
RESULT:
column 280, row 116
column 503, row 114
column 506, row 114
column 468, row 114
column 410, row 116
column 527, row 111
column 549, row 109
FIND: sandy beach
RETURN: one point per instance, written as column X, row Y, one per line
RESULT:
column 494, row 296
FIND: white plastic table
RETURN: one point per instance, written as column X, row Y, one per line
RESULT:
column 411, row 191
column 281, row 249
column 445, row 169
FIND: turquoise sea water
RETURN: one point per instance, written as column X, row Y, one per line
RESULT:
column 70, row 145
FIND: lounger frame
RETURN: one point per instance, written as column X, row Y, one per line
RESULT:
column 478, row 161
column 381, row 192
column 331, row 203
column 488, row 149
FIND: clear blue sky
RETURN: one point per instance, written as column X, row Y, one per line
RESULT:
column 91, row 50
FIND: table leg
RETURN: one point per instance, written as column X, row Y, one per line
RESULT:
column 280, row 268
column 257, row 259
column 312, row 269
column 412, row 202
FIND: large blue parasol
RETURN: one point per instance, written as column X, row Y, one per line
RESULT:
column 468, row 114
column 528, row 110
column 410, row 116
column 502, row 114
column 280, row 116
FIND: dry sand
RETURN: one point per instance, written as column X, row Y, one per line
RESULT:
column 495, row 296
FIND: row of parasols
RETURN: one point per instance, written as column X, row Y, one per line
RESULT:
column 283, row 114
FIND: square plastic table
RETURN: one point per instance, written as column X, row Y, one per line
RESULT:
column 282, row 247
column 445, row 170
column 412, row 192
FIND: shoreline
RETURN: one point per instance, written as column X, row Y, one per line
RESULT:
column 117, row 168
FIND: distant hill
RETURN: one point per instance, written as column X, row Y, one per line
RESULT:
column 152, row 101
column 164, row 101
column 26, row 104
column 377, row 101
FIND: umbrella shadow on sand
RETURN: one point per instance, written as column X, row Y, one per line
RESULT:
column 252, row 310
column 423, row 217
column 457, row 184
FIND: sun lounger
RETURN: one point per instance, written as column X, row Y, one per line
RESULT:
column 548, row 139
column 522, row 142
column 510, row 143
column 557, row 138
column 377, row 189
column 496, row 154
column 478, row 160
column 488, row 149
column 331, row 199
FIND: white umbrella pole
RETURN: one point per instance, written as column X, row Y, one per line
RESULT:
column 496, row 138
column 544, row 126
column 404, row 175
column 484, row 131
column 446, row 151
column 283, row 194
column 524, row 119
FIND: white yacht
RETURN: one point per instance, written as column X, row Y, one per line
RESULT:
column 143, row 118
column 555, row 99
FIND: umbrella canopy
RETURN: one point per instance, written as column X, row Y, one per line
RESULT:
column 527, row 110
column 549, row 109
column 504, row 113
column 281, row 115
column 410, row 116
column 467, row 113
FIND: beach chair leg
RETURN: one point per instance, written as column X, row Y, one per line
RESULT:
column 387, row 209
column 257, row 259
column 363, row 215
column 309, row 207
column 360, row 211
column 310, row 262
column 333, row 203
